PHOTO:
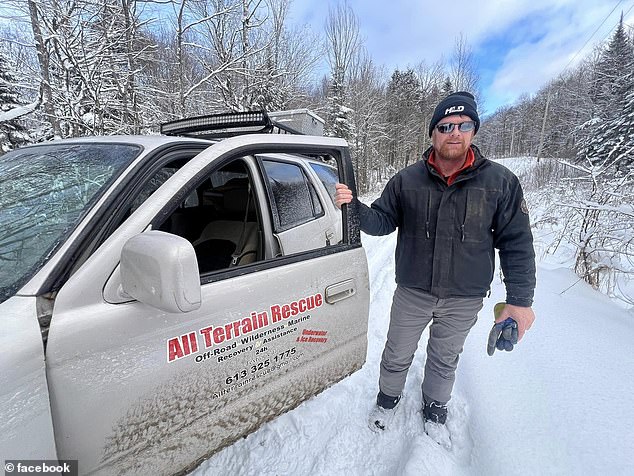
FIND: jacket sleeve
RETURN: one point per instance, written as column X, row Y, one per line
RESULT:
column 383, row 216
column 513, row 238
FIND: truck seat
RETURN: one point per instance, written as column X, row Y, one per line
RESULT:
column 220, row 239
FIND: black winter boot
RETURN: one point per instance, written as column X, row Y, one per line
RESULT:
column 386, row 401
column 434, row 411
column 383, row 412
column 434, row 418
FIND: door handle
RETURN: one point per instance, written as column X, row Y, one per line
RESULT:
column 340, row 291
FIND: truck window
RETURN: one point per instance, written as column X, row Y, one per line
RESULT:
column 222, row 222
column 294, row 199
column 153, row 185
column 328, row 176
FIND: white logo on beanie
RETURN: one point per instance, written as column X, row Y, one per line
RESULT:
column 454, row 109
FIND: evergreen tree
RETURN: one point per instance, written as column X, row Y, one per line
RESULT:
column 339, row 122
column 608, row 138
column 611, row 83
column 447, row 87
column 609, row 144
column 405, row 118
column 12, row 134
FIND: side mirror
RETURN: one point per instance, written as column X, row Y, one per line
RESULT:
column 160, row 269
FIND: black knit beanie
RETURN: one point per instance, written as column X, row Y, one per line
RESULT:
column 458, row 103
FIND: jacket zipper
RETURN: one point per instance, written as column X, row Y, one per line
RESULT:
column 464, row 218
column 428, row 213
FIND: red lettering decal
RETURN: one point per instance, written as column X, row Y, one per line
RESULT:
column 193, row 342
column 310, row 302
column 185, row 342
column 319, row 300
column 276, row 313
column 236, row 328
column 302, row 305
column 286, row 311
column 206, row 332
column 254, row 323
column 228, row 330
column 174, row 350
column 248, row 324
column 219, row 335
column 263, row 320
column 294, row 308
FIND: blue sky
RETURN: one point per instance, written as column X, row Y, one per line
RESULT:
column 519, row 45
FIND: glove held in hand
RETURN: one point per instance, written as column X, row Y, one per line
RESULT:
column 503, row 336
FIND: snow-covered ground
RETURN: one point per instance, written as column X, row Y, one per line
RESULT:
column 561, row 403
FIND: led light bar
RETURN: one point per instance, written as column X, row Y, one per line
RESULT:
column 218, row 126
column 216, row 123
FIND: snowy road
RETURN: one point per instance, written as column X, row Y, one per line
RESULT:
column 561, row 403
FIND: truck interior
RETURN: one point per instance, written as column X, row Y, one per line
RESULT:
column 220, row 220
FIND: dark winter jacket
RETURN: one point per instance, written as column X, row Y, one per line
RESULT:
column 447, row 234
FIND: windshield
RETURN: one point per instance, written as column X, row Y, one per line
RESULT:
column 44, row 193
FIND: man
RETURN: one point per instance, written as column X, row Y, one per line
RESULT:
column 451, row 210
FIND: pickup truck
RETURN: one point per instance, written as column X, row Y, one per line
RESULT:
column 162, row 296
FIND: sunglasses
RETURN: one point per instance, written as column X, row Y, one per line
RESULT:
column 447, row 127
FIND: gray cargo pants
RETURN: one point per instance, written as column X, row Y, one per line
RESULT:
column 412, row 310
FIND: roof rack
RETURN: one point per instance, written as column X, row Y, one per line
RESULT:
column 219, row 126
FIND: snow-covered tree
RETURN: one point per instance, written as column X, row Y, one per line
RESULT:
column 339, row 123
column 88, row 54
column 343, row 46
column 447, row 87
column 609, row 144
column 430, row 78
column 405, row 119
column 12, row 133
column 605, row 218
column 366, row 96
column 611, row 80
column 283, row 69
column 607, row 139
column 238, row 55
